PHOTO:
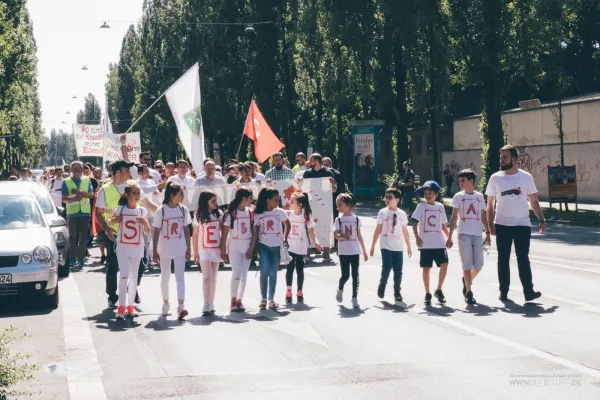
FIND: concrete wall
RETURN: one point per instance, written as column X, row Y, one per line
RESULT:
column 581, row 123
column 536, row 159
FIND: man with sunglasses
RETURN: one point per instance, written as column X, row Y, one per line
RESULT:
column 145, row 159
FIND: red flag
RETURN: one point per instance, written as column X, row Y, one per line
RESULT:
column 257, row 129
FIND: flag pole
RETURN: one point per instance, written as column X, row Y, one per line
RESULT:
column 144, row 113
column 237, row 156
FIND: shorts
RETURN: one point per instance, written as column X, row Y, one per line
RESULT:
column 428, row 256
column 470, row 248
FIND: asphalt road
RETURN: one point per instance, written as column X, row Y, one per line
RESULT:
column 322, row 350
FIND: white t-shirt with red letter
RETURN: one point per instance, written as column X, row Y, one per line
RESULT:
column 298, row 237
column 392, row 223
column 269, row 227
column 348, row 225
column 130, row 238
column 431, row 217
column 512, row 196
column 172, row 223
column 209, row 240
column 469, row 208
column 240, row 235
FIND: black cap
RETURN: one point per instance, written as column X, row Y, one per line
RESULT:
column 117, row 165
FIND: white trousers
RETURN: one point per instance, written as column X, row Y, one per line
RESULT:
column 209, row 280
column 128, row 271
column 239, row 272
column 165, row 275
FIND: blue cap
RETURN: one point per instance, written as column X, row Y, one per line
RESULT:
column 433, row 185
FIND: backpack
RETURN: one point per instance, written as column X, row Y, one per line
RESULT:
column 163, row 215
column 233, row 216
column 339, row 221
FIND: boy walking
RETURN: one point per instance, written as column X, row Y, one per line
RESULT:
column 429, row 229
column 392, row 227
column 469, row 211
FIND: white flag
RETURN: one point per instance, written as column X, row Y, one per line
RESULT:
column 184, row 100
column 107, row 124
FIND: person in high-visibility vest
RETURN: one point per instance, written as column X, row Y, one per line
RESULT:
column 76, row 194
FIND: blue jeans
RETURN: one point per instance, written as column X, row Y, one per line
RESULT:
column 269, row 265
column 391, row 260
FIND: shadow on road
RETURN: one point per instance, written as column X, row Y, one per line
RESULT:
column 442, row 311
column 21, row 306
column 387, row 306
column 107, row 320
column 479, row 310
column 164, row 324
column 346, row 312
column 528, row 310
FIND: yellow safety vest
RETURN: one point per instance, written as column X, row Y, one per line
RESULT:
column 83, row 205
column 111, row 198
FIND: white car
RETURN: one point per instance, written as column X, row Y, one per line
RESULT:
column 53, row 215
column 28, row 253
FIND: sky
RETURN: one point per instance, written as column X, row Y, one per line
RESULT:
column 68, row 36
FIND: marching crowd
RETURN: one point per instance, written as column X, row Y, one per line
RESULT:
column 132, row 228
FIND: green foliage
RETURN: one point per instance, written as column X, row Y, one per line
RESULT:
column 483, row 132
column 12, row 369
column 390, row 180
column 60, row 146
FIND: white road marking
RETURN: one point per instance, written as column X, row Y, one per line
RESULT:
column 570, row 261
column 510, row 343
column 579, row 304
column 309, row 272
column 85, row 376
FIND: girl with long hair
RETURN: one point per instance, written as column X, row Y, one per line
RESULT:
column 239, row 221
column 171, row 244
column 267, row 231
column 207, row 245
column 132, row 220
column 302, row 227
column 350, row 244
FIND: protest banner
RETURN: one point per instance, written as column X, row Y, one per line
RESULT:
column 89, row 140
column 112, row 147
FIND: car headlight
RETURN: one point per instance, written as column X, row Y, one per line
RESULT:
column 26, row 258
column 59, row 237
column 42, row 254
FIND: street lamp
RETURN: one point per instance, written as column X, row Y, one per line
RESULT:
column 68, row 112
column 249, row 31
column 105, row 26
column 84, row 68
column 74, row 97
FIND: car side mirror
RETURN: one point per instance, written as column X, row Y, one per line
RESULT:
column 60, row 210
column 58, row 223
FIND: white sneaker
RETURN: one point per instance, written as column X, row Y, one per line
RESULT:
column 339, row 296
column 355, row 303
column 206, row 308
column 212, row 307
column 165, row 309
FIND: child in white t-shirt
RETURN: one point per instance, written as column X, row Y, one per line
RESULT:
column 392, row 226
column 350, row 245
column 207, row 245
column 302, row 227
column 429, row 230
column 468, row 209
column 238, row 222
column 268, row 231
column 171, row 243
column 133, row 222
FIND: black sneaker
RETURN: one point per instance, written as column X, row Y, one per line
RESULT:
column 300, row 297
column 440, row 296
column 464, row 287
column 288, row 299
column 428, row 299
column 137, row 300
column 103, row 260
column 112, row 304
column 398, row 298
column 503, row 297
column 381, row 291
column 532, row 296
column 469, row 299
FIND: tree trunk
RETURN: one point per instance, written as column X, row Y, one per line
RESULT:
column 400, row 107
column 319, row 144
column 432, row 100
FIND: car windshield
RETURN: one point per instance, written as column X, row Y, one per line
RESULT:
column 19, row 212
column 43, row 197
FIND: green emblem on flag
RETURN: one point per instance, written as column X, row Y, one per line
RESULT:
column 193, row 119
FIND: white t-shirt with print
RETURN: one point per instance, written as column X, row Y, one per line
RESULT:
column 172, row 223
column 209, row 238
column 298, row 238
column 431, row 218
column 240, row 235
column 130, row 237
column 511, row 193
column 349, row 225
column 55, row 189
column 392, row 223
column 270, row 231
column 187, row 182
column 469, row 208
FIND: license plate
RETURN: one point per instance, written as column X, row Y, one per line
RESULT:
column 5, row 279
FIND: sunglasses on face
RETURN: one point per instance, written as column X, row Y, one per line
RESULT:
column 389, row 197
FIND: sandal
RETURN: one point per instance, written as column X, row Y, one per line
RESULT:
column 273, row 305
column 263, row 304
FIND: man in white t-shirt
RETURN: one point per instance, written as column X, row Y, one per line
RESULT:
column 182, row 178
column 509, row 191
column 54, row 187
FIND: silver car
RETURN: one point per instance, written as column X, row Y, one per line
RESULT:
column 28, row 253
column 53, row 215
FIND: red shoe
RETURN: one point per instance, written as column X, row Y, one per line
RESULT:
column 233, row 306
column 121, row 312
column 132, row 312
column 240, row 306
column 300, row 296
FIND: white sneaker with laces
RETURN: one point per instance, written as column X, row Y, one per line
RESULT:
column 355, row 303
column 165, row 309
column 206, row 308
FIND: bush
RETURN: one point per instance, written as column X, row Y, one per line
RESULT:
column 12, row 371
column 390, row 180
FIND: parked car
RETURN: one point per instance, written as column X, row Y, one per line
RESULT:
column 53, row 215
column 28, row 253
